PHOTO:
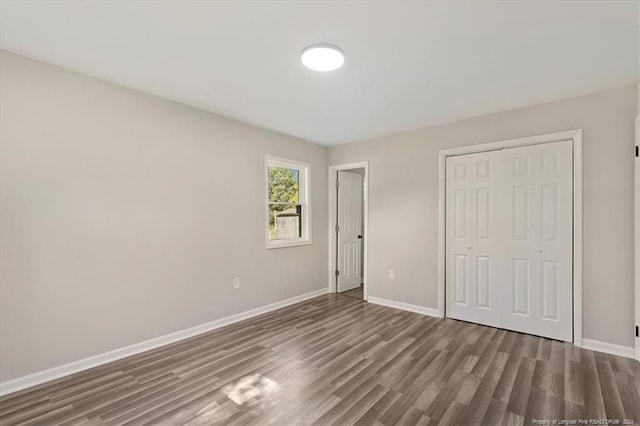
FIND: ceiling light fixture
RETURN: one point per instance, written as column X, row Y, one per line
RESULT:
column 322, row 57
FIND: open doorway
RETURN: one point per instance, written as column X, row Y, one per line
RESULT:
column 348, row 217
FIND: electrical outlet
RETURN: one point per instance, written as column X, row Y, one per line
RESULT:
column 392, row 274
column 236, row 283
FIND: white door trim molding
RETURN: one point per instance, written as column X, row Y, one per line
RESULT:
column 576, row 137
column 332, row 222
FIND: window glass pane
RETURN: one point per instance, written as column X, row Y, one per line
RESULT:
column 285, row 221
column 284, row 185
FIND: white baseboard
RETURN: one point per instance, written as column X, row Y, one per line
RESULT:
column 96, row 360
column 609, row 348
column 404, row 306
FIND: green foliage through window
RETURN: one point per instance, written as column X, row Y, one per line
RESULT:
column 284, row 198
column 284, row 185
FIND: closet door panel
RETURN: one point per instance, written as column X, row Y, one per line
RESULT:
column 538, row 247
column 472, row 238
column 519, row 193
column 555, row 241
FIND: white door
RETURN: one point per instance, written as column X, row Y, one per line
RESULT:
column 349, row 230
column 539, row 247
column 510, row 239
column 637, row 236
column 473, row 244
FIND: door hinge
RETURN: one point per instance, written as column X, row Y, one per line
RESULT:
column 637, row 334
column 337, row 229
column 337, row 273
column 637, row 153
column 337, row 184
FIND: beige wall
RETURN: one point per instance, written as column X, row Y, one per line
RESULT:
column 403, row 202
column 125, row 217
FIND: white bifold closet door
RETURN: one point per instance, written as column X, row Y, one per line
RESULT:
column 539, row 225
column 473, row 238
column 509, row 239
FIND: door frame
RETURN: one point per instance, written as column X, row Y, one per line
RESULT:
column 574, row 135
column 636, row 223
column 333, row 205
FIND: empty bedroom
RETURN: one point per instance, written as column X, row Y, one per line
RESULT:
column 319, row 212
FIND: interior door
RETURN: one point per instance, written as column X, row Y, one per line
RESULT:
column 349, row 251
column 473, row 267
column 539, row 249
column 636, row 221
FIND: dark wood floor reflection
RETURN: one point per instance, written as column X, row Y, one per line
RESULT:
column 357, row 293
column 338, row 360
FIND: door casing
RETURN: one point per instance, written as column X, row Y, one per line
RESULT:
column 636, row 221
column 574, row 135
column 332, row 222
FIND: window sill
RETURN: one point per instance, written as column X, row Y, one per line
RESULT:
column 284, row 244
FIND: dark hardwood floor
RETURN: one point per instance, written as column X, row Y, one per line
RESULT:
column 357, row 293
column 338, row 360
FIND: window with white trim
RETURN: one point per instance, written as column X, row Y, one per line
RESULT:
column 287, row 198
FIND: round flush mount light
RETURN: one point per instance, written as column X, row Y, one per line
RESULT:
column 322, row 57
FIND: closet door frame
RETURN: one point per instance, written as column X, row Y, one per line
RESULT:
column 576, row 137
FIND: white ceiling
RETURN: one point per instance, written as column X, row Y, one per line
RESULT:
column 408, row 64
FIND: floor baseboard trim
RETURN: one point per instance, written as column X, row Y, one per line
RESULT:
column 609, row 348
column 44, row 376
column 404, row 306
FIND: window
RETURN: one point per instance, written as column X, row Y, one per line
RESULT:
column 288, row 212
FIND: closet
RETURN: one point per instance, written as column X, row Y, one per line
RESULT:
column 509, row 239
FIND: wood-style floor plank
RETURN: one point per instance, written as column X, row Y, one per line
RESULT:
column 338, row 360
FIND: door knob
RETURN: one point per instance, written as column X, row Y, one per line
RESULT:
column 360, row 237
